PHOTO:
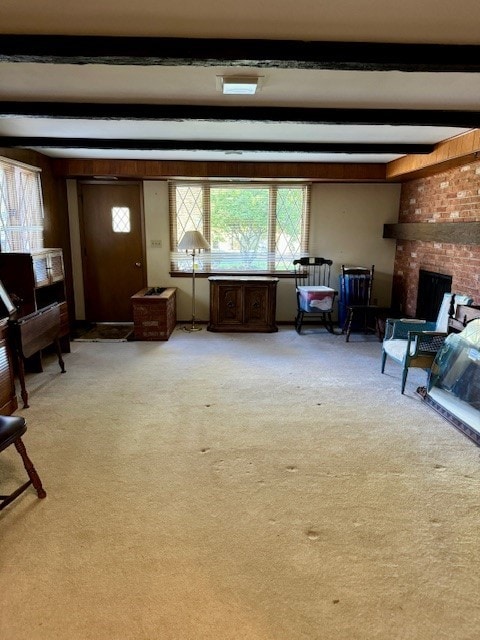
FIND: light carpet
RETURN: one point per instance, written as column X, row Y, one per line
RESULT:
column 224, row 487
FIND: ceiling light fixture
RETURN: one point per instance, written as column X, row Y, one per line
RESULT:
column 238, row 85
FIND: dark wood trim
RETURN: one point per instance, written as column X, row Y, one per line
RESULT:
column 287, row 54
column 451, row 232
column 219, row 145
column 208, row 113
column 163, row 169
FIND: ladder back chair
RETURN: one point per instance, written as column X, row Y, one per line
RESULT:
column 315, row 297
column 354, row 307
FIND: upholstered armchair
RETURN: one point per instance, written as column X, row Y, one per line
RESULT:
column 414, row 343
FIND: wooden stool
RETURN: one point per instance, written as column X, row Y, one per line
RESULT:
column 12, row 429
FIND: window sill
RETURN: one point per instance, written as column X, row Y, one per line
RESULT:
column 207, row 274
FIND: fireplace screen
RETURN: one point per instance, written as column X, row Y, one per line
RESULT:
column 431, row 287
column 454, row 382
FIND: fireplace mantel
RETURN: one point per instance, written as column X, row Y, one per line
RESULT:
column 452, row 232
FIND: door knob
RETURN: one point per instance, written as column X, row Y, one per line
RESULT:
column 138, row 264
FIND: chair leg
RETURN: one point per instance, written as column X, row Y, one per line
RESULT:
column 384, row 358
column 29, row 468
column 59, row 355
column 298, row 322
column 347, row 325
column 328, row 322
column 404, row 378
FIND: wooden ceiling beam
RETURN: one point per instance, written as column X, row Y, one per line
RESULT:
column 207, row 113
column 219, row 145
column 285, row 54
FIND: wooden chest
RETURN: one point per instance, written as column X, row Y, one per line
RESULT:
column 154, row 313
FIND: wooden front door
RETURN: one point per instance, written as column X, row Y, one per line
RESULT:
column 113, row 249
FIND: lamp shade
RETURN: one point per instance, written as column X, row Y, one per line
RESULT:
column 193, row 241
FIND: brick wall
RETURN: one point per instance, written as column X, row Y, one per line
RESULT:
column 452, row 196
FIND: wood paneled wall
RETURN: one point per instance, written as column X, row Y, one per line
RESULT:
column 154, row 170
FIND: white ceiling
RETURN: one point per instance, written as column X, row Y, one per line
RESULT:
column 431, row 21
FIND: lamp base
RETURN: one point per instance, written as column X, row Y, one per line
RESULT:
column 192, row 328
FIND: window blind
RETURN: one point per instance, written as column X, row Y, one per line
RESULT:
column 21, row 207
column 251, row 227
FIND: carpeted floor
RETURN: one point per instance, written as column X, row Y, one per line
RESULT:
column 239, row 487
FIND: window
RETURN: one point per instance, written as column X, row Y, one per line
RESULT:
column 250, row 227
column 21, row 207
column 121, row 220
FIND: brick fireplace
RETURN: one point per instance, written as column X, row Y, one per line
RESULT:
column 451, row 196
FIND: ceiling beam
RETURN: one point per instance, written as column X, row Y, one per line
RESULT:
column 285, row 54
column 220, row 145
column 206, row 113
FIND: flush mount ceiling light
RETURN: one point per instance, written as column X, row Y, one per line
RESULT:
column 238, row 85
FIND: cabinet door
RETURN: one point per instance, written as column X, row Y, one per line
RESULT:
column 230, row 304
column 41, row 270
column 55, row 266
column 256, row 305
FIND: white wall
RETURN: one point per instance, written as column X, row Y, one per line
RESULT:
column 346, row 226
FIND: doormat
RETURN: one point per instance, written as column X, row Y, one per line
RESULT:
column 107, row 333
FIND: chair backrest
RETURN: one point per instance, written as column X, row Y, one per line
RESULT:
column 447, row 309
column 312, row 272
column 356, row 285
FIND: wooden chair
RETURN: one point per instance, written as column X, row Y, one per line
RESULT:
column 12, row 429
column 357, row 284
column 355, row 308
column 315, row 297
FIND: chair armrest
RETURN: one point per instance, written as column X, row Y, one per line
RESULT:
column 400, row 328
column 425, row 342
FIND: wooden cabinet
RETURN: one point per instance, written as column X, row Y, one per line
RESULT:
column 34, row 281
column 8, row 399
column 243, row 303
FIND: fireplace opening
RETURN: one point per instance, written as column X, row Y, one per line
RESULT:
column 431, row 287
